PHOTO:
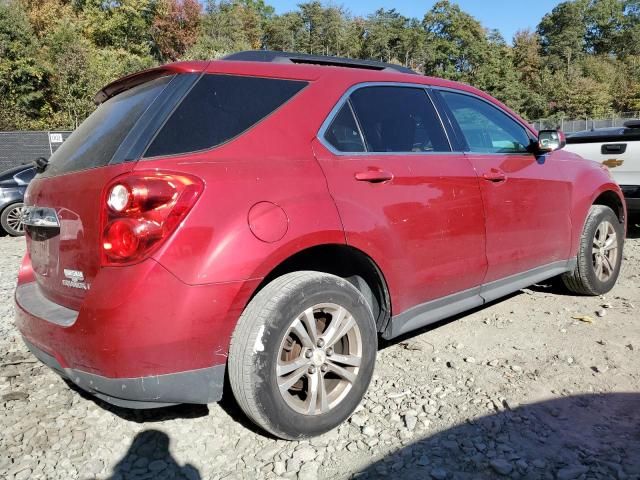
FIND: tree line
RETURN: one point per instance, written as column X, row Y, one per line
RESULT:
column 583, row 59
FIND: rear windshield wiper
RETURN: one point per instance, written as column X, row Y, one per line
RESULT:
column 41, row 164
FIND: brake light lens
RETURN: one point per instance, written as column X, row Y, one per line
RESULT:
column 141, row 210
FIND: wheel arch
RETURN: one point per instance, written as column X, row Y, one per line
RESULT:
column 611, row 199
column 346, row 262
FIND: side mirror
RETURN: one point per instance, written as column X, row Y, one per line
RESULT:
column 551, row 140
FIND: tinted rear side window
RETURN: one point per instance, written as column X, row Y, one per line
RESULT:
column 95, row 141
column 219, row 108
column 399, row 119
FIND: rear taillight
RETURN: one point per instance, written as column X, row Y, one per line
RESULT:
column 141, row 210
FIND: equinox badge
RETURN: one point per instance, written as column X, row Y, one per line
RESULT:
column 75, row 279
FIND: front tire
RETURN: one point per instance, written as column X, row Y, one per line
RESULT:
column 599, row 255
column 11, row 220
column 302, row 354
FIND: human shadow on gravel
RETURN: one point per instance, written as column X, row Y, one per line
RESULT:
column 578, row 437
column 151, row 415
column 149, row 457
column 172, row 412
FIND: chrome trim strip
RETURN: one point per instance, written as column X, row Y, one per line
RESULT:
column 44, row 217
column 345, row 97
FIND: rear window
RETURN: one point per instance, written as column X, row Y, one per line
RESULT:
column 95, row 141
column 219, row 108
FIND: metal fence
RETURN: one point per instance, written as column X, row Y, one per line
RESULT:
column 579, row 124
column 21, row 147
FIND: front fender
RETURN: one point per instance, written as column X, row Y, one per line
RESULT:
column 589, row 181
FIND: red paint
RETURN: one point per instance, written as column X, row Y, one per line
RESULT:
column 268, row 222
column 433, row 224
column 526, row 209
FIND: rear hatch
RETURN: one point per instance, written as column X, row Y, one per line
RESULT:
column 65, row 202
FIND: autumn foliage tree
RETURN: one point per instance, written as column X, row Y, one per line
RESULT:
column 175, row 28
column 583, row 59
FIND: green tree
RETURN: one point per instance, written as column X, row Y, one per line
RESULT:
column 385, row 37
column 604, row 20
column 456, row 43
column 285, row 32
column 532, row 73
column 23, row 79
column 124, row 24
column 563, row 33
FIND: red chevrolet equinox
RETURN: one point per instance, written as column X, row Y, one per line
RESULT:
column 267, row 217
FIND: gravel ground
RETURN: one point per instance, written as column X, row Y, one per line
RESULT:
column 522, row 389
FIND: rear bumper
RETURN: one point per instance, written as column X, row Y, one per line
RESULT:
column 196, row 386
column 142, row 338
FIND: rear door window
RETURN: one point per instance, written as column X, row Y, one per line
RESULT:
column 343, row 133
column 485, row 128
column 399, row 119
column 95, row 141
column 219, row 108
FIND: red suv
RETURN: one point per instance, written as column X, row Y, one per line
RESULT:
column 268, row 216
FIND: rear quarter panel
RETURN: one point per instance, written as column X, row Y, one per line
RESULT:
column 272, row 162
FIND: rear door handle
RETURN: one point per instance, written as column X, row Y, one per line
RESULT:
column 495, row 176
column 374, row 176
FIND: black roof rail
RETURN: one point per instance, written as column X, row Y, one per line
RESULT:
column 272, row 56
column 632, row 124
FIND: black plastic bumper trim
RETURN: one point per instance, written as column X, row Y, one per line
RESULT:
column 194, row 386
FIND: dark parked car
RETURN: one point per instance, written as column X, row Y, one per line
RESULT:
column 269, row 216
column 13, row 184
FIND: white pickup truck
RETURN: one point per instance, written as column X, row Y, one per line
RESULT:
column 619, row 149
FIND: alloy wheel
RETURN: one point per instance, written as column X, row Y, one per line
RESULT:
column 605, row 251
column 319, row 359
column 14, row 219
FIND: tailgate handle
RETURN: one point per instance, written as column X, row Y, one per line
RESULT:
column 42, row 217
column 613, row 148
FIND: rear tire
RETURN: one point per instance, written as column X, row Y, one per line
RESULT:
column 11, row 220
column 599, row 254
column 302, row 354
